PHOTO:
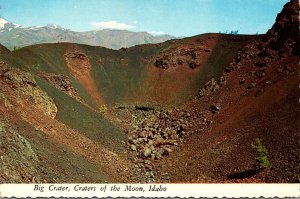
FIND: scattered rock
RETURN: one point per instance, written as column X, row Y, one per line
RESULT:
column 160, row 63
column 290, row 69
column 2, row 64
column 252, row 85
column 167, row 151
column 259, row 92
column 238, row 58
column 147, row 151
column 193, row 65
column 268, row 82
column 260, row 63
column 260, row 74
column 251, row 73
column 215, row 108
column 133, row 147
column 157, row 133
column 242, row 81
column 76, row 54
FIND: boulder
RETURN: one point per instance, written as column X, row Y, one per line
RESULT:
column 147, row 151
column 215, row 108
column 133, row 147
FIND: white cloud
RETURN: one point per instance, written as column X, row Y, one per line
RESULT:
column 112, row 25
column 157, row 33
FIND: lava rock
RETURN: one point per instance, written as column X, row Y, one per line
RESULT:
column 215, row 108
column 147, row 151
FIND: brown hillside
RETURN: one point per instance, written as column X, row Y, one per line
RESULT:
column 257, row 99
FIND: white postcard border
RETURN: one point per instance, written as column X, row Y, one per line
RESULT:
column 144, row 190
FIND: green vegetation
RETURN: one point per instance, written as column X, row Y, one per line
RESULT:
column 261, row 154
column 232, row 32
column 103, row 109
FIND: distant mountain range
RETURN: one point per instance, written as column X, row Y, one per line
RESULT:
column 15, row 36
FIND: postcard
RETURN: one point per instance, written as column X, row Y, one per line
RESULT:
column 136, row 98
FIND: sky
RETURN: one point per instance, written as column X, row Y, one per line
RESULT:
column 179, row 18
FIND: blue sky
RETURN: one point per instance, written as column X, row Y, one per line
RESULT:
column 175, row 17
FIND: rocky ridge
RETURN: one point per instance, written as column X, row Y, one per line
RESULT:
column 63, row 83
column 25, row 86
column 284, row 34
column 183, row 55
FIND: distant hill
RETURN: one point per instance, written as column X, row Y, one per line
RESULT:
column 13, row 35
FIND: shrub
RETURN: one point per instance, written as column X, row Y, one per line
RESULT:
column 103, row 109
column 261, row 154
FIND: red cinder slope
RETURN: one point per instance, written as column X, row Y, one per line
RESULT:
column 257, row 97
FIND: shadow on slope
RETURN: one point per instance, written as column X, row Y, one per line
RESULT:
column 84, row 119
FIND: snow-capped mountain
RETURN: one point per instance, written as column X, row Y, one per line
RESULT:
column 13, row 35
column 49, row 26
column 6, row 25
column 2, row 23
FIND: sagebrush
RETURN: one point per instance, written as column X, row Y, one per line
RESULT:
column 261, row 154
